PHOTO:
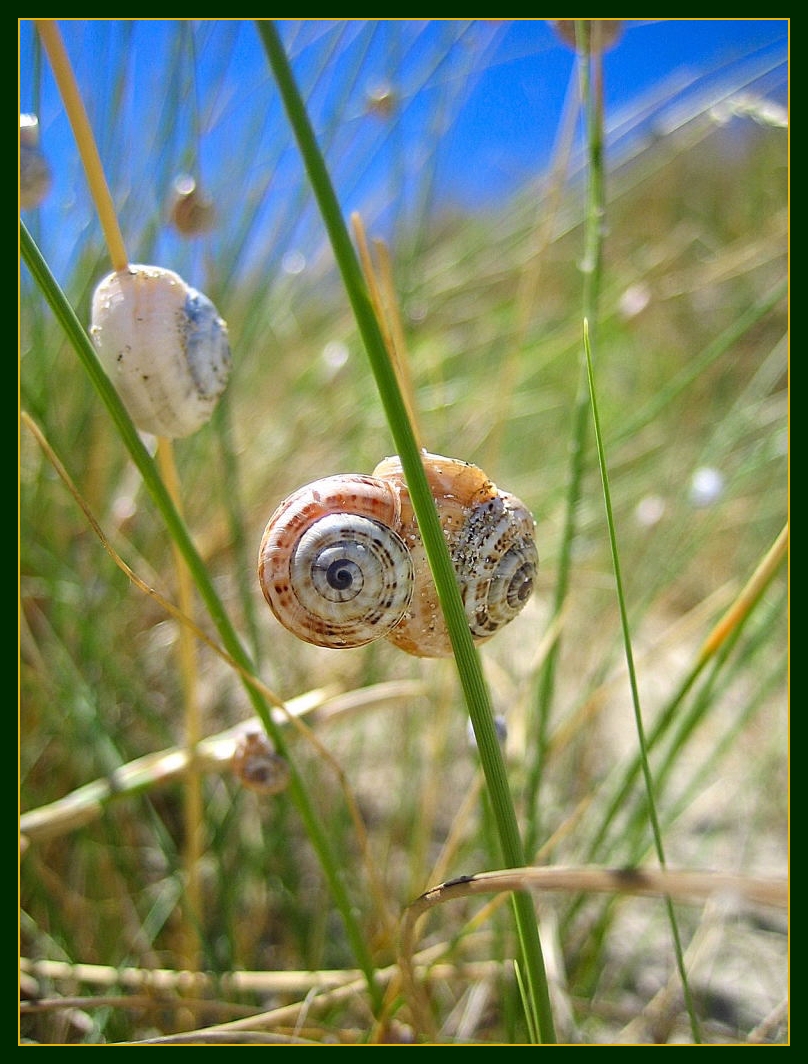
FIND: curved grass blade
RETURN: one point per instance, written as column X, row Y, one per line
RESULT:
column 199, row 573
column 635, row 695
column 468, row 662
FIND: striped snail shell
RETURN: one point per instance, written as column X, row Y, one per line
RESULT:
column 342, row 561
column 332, row 567
column 490, row 536
column 163, row 345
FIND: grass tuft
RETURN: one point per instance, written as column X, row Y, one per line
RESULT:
column 371, row 901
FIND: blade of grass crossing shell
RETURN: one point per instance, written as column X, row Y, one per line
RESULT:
column 178, row 531
column 468, row 662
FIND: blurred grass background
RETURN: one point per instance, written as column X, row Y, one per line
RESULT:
column 692, row 373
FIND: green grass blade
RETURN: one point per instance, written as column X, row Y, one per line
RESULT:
column 671, row 713
column 635, row 695
column 179, row 533
column 468, row 662
column 590, row 75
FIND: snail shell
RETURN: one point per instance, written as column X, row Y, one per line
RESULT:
column 603, row 32
column 35, row 173
column 163, row 345
column 490, row 536
column 258, row 767
column 342, row 561
column 192, row 211
column 332, row 567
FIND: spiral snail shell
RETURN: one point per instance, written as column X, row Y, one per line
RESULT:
column 163, row 345
column 342, row 563
column 332, row 567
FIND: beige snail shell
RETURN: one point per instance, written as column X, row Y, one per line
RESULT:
column 35, row 173
column 603, row 32
column 192, row 212
column 163, row 345
column 342, row 562
column 258, row 767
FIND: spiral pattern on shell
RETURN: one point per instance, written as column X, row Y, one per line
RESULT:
column 490, row 536
column 342, row 562
column 497, row 555
column 332, row 567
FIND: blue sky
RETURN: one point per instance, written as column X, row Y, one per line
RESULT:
column 478, row 105
column 518, row 101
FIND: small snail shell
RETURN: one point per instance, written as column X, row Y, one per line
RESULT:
column 342, row 562
column 382, row 100
column 192, row 211
column 603, row 32
column 35, row 174
column 163, row 345
column 258, row 767
column 332, row 567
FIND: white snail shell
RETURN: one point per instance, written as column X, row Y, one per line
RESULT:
column 387, row 582
column 163, row 345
